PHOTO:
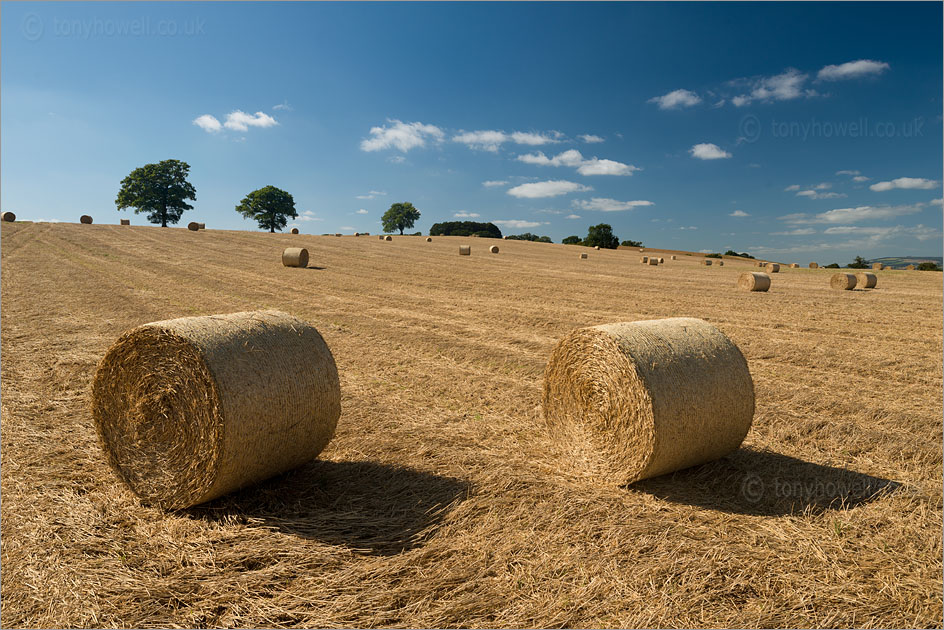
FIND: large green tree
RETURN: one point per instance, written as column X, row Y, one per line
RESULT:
column 161, row 190
column 601, row 235
column 271, row 207
column 400, row 216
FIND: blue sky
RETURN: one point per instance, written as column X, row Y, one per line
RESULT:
column 793, row 131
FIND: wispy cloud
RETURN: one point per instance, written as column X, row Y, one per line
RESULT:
column 308, row 215
column 283, row 106
column 492, row 139
column 466, row 215
column 796, row 232
column 208, row 123
column 241, row 121
column 536, row 139
column 708, row 151
column 739, row 213
column 852, row 70
column 362, row 211
column 401, row 136
column 573, row 158
column 517, row 224
column 813, row 194
column 781, row 87
column 373, row 194
column 912, row 183
column 572, row 216
column 590, row 138
column 492, row 183
column 853, row 215
column 604, row 204
column 552, row 188
column 676, row 99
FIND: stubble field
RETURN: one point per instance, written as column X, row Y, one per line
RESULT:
column 443, row 501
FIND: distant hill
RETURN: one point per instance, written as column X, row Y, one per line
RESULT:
column 901, row 261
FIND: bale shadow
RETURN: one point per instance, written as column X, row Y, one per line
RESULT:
column 315, row 268
column 371, row 508
column 763, row 483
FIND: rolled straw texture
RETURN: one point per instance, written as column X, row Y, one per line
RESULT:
column 465, row 250
column 190, row 409
column 866, row 280
column 193, row 226
column 641, row 399
column 294, row 230
column 753, row 281
column 86, row 219
column 295, row 257
column 773, row 268
column 814, row 265
column 126, row 221
column 493, row 249
column 844, row 281
column 583, row 256
column 654, row 261
column 9, row 217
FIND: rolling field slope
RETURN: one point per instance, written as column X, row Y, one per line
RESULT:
column 442, row 501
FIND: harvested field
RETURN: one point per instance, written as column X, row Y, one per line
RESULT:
column 442, row 500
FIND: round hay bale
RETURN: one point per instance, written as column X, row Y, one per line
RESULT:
column 126, row 221
column 193, row 226
column 866, row 280
column 653, row 261
column 338, row 234
column 429, row 240
column 814, row 265
column 584, row 256
column 295, row 257
column 9, row 217
column 596, row 247
column 357, row 233
column 642, row 249
column 388, row 238
column 760, row 264
column 380, row 236
column 674, row 257
column 753, row 281
column 190, row 409
column 294, row 230
column 794, row 265
column 721, row 263
column 86, row 219
column 465, row 250
column 662, row 261
column 878, row 266
column 844, row 281
column 707, row 262
column 493, row 249
column 642, row 399
column 773, row 268
column 202, row 226
column 644, row 260
column 910, row 267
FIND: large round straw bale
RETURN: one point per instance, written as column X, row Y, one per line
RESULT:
column 338, row 234
column 202, row 226
column 465, row 250
column 653, row 261
column 193, row 226
column 294, row 230
column 9, row 217
column 707, row 262
column 814, row 265
column 357, row 233
column 641, row 399
column 866, row 280
column 753, row 281
column 126, row 221
column 190, row 409
column 845, row 281
column 662, row 261
column 429, row 239
column 380, row 236
column 721, row 263
column 674, row 257
column 644, row 260
column 773, row 268
column 596, row 247
column 910, row 267
column 295, row 257
column 794, row 265
column 388, row 238
column 583, row 256
column 642, row 249
column 493, row 249
column 86, row 219
column 878, row 266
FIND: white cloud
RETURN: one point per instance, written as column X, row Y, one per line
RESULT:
column 552, row 188
column 739, row 213
column 492, row 183
column 812, row 194
column 401, row 136
column 517, row 224
column 572, row 157
column 708, row 151
column 905, row 182
column 781, row 87
column 596, row 166
column 396, row 159
column 362, row 211
column 604, row 204
column 676, row 99
column 860, row 178
column 796, row 232
column 208, row 123
column 848, row 173
column 346, row 228
column 919, row 231
column 373, row 194
column 486, row 140
column 535, row 139
column 936, row 202
column 590, row 138
column 567, row 158
column 572, row 216
column 308, row 215
column 823, row 186
column 466, row 215
column 792, row 187
column 853, row 215
column 691, row 227
column 241, row 121
column 851, row 70
column 283, row 106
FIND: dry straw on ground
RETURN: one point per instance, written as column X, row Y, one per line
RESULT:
column 190, row 409
column 295, row 257
column 86, row 219
column 294, row 230
column 640, row 399
column 125, row 221
column 193, row 226
column 866, row 280
column 465, row 250
column 772, row 268
column 844, row 281
column 9, row 216
column 493, row 249
column 753, row 281
column 814, row 265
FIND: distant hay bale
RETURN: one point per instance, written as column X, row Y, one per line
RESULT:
column 642, row 399
column 295, row 257
column 662, row 261
column 493, row 249
column 707, row 262
column 294, row 230
column 202, row 226
column 388, row 238
column 721, row 263
column 9, row 217
column 193, row 226
column 910, row 267
column 772, row 268
column 126, row 221
column 844, row 281
column 642, row 249
column 86, row 219
column 644, row 260
column 674, row 257
column 429, row 239
column 866, row 280
column 190, row 409
column 878, row 266
column 753, row 281
column 380, row 236
column 584, row 256
column 357, row 233
column 653, row 261
column 596, row 247
column 465, row 250
column 338, row 234
column 814, row 265
column 794, row 265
